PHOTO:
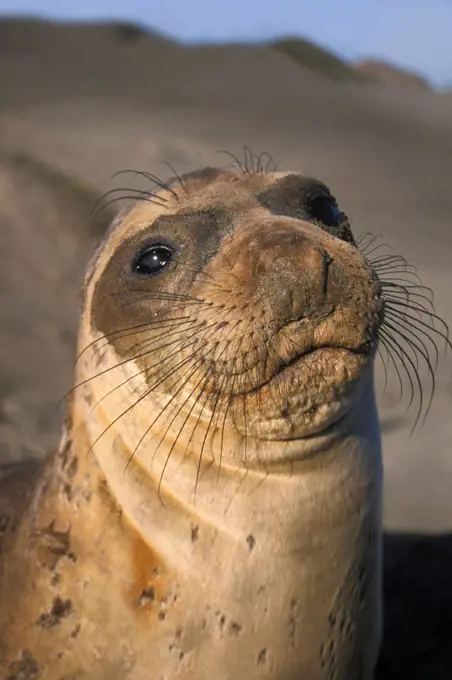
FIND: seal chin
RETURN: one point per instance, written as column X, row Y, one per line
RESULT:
column 305, row 397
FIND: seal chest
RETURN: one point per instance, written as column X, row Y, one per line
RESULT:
column 214, row 508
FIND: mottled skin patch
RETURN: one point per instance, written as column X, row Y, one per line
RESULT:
column 227, row 546
column 25, row 668
column 69, row 583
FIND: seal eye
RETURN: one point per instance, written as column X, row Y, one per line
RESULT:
column 153, row 260
column 324, row 209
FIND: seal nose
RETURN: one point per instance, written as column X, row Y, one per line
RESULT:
column 292, row 269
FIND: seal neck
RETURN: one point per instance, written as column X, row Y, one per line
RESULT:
column 166, row 497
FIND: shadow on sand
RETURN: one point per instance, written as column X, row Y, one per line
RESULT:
column 417, row 641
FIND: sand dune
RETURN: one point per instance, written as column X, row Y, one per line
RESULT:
column 91, row 100
column 45, row 244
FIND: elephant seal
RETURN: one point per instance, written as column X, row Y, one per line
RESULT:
column 214, row 508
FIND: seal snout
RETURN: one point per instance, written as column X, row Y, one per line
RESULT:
column 303, row 283
column 286, row 267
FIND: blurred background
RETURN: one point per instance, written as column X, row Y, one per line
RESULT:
column 357, row 94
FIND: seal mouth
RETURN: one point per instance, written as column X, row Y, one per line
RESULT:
column 306, row 395
column 289, row 370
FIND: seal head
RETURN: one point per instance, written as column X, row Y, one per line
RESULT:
column 246, row 292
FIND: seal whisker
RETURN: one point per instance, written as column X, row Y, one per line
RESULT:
column 201, row 328
column 407, row 290
column 231, row 267
column 126, row 193
column 212, row 415
column 414, row 362
column 403, row 300
column 423, row 305
column 411, row 299
column 224, row 405
column 412, row 291
column 249, row 161
column 365, row 239
column 135, row 329
column 269, row 350
column 405, row 307
column 270, row 162
column 225, row 415
column 374, row 247
column 147, row 392
column 394, row 270
column 407, row 285
column 206, row 378
column 398, row 318
column 385, row 368
column 114, row 389
column 180, row 346
column 147, row 371
column 144, row 297
column 166, row 187
column 187, row 416
column 141, row 349
column 244, row 355
column 260, row 162
column 221, row 390
column 198, row 468
column 444, row 335
column 402, row 281
column 253, row 163
column 392, row 348
column 181, row 304
column 235, row 159
column 153, row 178
column 389, row 259
column 162, row 295
column 121, row 363
column 178, row 177
column 206, row 274
column 193, row 369
column 245, row 429
column 390, row 262
column 147, row 342
column 135, row 193
column 277, row 387
column 173, row 328
column 127, row 197
column 95, row 352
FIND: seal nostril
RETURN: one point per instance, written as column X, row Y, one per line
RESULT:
column 327, row 260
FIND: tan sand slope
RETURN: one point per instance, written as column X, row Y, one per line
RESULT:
column 386, row 74
column 45, row 240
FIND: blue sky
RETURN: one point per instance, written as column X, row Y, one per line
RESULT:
column 413, row 33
